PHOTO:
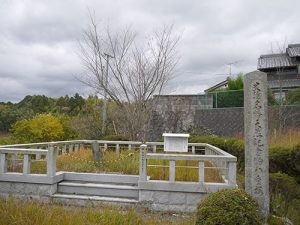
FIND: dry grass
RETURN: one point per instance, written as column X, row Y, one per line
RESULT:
column 276, row 137
column 288, row 137
column 127, row 162
column 181, row 173
column 34, row 213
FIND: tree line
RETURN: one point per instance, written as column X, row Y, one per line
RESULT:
column 41, row 118
column 37, row 104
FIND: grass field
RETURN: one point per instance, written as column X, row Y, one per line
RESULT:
column 13, row 211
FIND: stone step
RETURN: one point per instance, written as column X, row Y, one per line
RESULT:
column 101, row 178
column 85, row 200
column 98, row 189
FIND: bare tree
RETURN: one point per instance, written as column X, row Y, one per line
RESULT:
column 135, row 71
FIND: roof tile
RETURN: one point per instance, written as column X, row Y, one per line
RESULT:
column 274, row 61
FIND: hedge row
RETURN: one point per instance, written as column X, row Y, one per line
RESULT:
column 281, row 158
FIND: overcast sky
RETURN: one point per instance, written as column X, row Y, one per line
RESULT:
column 38, row 39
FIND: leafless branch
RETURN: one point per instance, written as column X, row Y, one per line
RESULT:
column 135, row 72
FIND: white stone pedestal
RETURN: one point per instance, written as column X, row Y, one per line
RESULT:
column 175, row 142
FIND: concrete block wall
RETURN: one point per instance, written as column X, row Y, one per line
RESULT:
column 25, row 191
column 220, row 121
column 230, row 121
column 175, row 113
column 171, row 196
column 170, row 201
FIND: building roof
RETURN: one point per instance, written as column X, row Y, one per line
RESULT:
column 281, row 60
column 293, row 50
column 274, row 61
column 218, row 85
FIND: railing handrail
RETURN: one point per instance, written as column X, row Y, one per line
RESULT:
column 74, row 142
column 24, row 151
column 175, row 157
column 99, row 141
column 153, row 145
column 46, row 143
column 117, row 143
column 216, row 149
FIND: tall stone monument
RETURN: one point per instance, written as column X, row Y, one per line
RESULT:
column 256, row 139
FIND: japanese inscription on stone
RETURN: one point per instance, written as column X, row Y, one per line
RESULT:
column 256, row 145
column 143, row 166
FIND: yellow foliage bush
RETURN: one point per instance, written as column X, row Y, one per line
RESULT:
column 42, row 127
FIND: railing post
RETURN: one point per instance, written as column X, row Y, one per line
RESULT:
column 26, row 164
column 70, row 148
column 154, row 148
column 76, row 147
column 143, row 163
column 117, row 148
column 15, row 161
column 38, row 155
column 193, row 149
column 201, row 171
column 64, row 149
column 51, row 160
column 97, row 154
column 172, row 171
column 232, row 173
column 57, row 150
column 3, row 163
column 208, row 150
column 129, row 147
column 81, row 146
column 105, row 146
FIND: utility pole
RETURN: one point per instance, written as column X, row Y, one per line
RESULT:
column 230, row 64
column 105, row 80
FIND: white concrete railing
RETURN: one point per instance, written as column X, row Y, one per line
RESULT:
column 75, row 145
column 50, row 154
column 213, row 154
column 71, row 146
column 224, row 162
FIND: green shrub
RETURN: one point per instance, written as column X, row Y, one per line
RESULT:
column 233, row 146
column 282, row 159
column 284, row 195
column 295, row 162
column 7, row 140
column 285, row 160
column 213, row 140
column 236, row 147
column 70, row 133
column 228, row 207
column 279, row 158
column 274, row 220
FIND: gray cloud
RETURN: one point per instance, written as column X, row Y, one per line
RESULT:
column 38, row 39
